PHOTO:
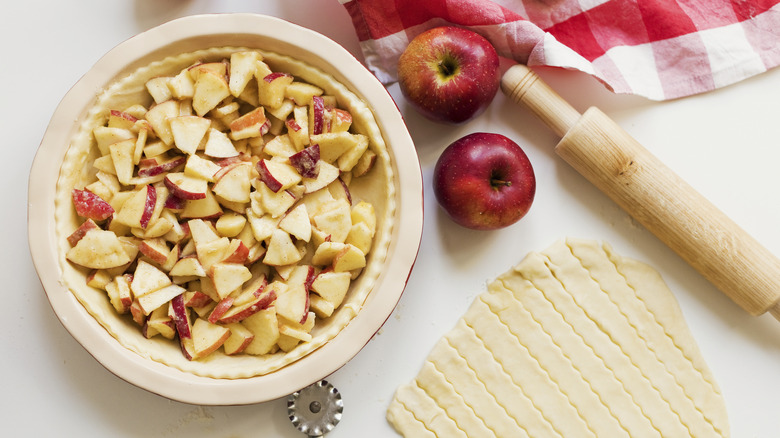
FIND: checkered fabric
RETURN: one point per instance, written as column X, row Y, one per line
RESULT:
column 660, row 49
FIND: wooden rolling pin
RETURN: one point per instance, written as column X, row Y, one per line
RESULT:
column 655, row 196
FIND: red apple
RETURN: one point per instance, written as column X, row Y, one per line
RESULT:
column 484, row 181
column 449, row 74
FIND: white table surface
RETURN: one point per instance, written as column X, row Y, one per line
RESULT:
column 725, row 143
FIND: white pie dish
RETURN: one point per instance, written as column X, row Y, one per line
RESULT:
column 186, row 35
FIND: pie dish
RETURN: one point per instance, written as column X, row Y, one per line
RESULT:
column 395, row 189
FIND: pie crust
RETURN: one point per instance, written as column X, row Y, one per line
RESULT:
column 575, row 341
column 377, row 188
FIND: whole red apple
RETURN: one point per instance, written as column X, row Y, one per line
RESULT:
column 484, row 181
column 449, row 74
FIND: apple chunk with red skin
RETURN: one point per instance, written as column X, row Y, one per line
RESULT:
column 137, row 210
column 449, row 74
column 90, row 205
column 484, row 181
column 305, row 161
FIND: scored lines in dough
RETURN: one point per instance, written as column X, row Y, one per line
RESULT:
column 575, row 341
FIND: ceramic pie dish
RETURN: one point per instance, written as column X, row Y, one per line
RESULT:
column 397, row 191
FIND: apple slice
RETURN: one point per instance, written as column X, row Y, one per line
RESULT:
column 320, row 306
column 182, row 86
column 235, row 183
column 340, row 120
column 147, row 279
column 218, row 145
column 155, row 249
column 340, row 190
column 335, row 219
column 293, row 304
column 98, row 249
column 281, row 250
column 202, row 232
column 120, row 119
column 242, row 70
column 264, row 325
column 85, row 226
column 91, row 206
column 240, row 312
column 199, row 167
column 188, row 132
column 271, row 88
column 119, row 294
column 186, row 187
column 364, row 212
column 251, row 124
column 157, row 298
column 291, row 334
column 298, row 127
column 231, row 224
column 350, row 259
column 280, row 146
column 277, row 175
column 296, row 222
column 275, row 203
column 208, row 337
column 187, row 267
column 196, row 298
column 137, row 210
column 360, row 236
column 326, row 174
column 122, row 157
column 301, row 92
column 262, row 226
column 206, row 208
column 332, row 286
column 98, row 278
column 326, row 252
column 217, row 68
column 240, row 338
column 228, row 277
column 236, row 252
column 137, row 314
column 158, row 88
column 298, row 331
column 159, row 117
column 316, row 115
column 160, row 321
column 106, row 136
column 211, row 253
column 220, row 309
column 279, row 115
column 305, row 161
column 210, row 89
column 349, row 159
column 334, row 144
column 180, row 314
column 153, row 167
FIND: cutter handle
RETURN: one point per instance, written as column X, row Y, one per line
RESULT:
column 655, row 196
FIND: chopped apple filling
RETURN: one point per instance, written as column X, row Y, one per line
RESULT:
column 221, row 215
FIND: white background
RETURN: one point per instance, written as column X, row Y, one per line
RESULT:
column 723, row 143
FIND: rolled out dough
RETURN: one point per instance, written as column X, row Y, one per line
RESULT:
column 575, row 341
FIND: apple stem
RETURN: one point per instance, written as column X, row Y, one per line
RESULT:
column 500, row 182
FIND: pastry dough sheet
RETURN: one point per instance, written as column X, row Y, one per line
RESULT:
column 575, row 341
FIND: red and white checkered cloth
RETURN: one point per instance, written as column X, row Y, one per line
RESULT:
column 660, row 49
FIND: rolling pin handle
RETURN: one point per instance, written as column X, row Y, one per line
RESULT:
column 523, row 86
